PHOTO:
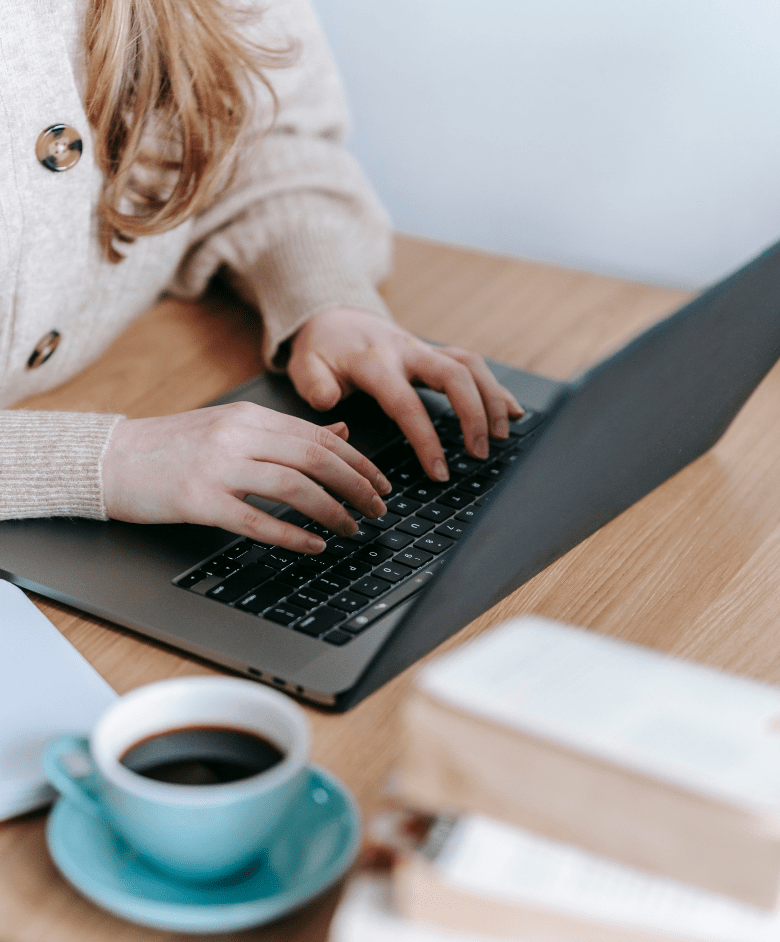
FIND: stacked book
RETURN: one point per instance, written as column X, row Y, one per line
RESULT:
column 569, row 787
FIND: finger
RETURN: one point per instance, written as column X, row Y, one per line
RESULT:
column 499, row 403
column 447, row 375
column 290, row 425
column 319, row 464
column 314, row 381
column 394, row 393
column 238, row 517
column 290, row 486
column 340, row 429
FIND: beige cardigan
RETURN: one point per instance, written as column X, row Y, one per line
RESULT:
column 299, row 230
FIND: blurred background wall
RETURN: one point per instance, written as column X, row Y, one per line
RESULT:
column 639, row 138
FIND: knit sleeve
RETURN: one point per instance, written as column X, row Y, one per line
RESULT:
column 50, row 463
column 300, row 229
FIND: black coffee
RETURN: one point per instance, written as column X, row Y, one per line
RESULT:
column 202, row 755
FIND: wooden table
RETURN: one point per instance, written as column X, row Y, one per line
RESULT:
column 694, row 568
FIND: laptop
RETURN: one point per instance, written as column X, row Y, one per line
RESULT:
column 333, row 630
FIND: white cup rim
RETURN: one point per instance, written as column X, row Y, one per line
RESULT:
column 250, row 694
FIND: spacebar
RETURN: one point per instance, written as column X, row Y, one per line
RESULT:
column 398, row 595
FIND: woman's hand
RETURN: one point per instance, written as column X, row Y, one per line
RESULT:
column 197, row 467
column 342, row 349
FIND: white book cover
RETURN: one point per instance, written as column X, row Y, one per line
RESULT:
column 702, row 729
column 46, row 688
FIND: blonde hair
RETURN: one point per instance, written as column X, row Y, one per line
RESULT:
column 177, row 66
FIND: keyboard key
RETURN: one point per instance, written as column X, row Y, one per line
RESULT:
column 308, row 598
column 320, row 529
column 494, row 471
column 393, row 540
column 455, row 499
column 241, row 582
column 392, row 572
column 393, row 455
column 237, row 551
column 337, row 637
column 353, row 512
column 403, row 505
column 219, row 567
column 264, row 597
column 451, row 529
column 280, row 558
column 467, row 515
column 294, row 577
column 402, row 592
column 465, row 465
column 348, row 601
column 318, row 563
column 402, row 479
column 192, row 579
column 530, row 420
column 329, row 584
column 318, row 622
column 415, row 526
column 371, row 587
column 365, row 532
column 413, row 557
column 436, row 512
column 476, row 486
column 505, row 462
column 433, row 543
column 284, row 614
column 339, row 546
column 385, row 522
column 295, row 517
column 375, row 554
column 352, row 569
column 425, row 492
column 451, row 434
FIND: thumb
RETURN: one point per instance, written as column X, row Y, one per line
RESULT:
column 314, row 381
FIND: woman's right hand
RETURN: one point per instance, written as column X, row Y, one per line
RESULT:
column 197, row 467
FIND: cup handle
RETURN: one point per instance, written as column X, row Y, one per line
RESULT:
column 70, row 785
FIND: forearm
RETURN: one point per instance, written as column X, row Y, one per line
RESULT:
column 50, row 463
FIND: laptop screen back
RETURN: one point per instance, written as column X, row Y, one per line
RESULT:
column 614, row 435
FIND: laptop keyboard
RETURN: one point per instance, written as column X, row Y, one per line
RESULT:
column 341, row 591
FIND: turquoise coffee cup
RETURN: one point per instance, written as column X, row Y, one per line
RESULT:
column 192, row 832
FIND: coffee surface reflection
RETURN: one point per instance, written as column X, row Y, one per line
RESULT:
column 202, row 755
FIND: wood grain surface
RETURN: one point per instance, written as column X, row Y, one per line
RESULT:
column 693, row 568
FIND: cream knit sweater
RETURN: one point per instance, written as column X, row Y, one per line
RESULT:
column 299, row 230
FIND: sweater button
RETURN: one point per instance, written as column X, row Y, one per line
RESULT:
column 44, row 349
column 58, row 147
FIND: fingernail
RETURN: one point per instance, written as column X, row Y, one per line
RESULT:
column 351, row 527
column 501, row 428
column 315, row 545
column 383, row 485
column 440, row 470
column 517, row 406
column 481, row 448
column 378, row 507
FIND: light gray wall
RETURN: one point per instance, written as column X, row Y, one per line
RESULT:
column 634, row 137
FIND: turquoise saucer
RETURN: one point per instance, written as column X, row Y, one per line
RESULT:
column 313, row 851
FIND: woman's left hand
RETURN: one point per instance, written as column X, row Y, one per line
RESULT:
column 342, row 349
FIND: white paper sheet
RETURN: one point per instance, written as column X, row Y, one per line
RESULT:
column 493, row 860
column 46, row 688
column 366, row 914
